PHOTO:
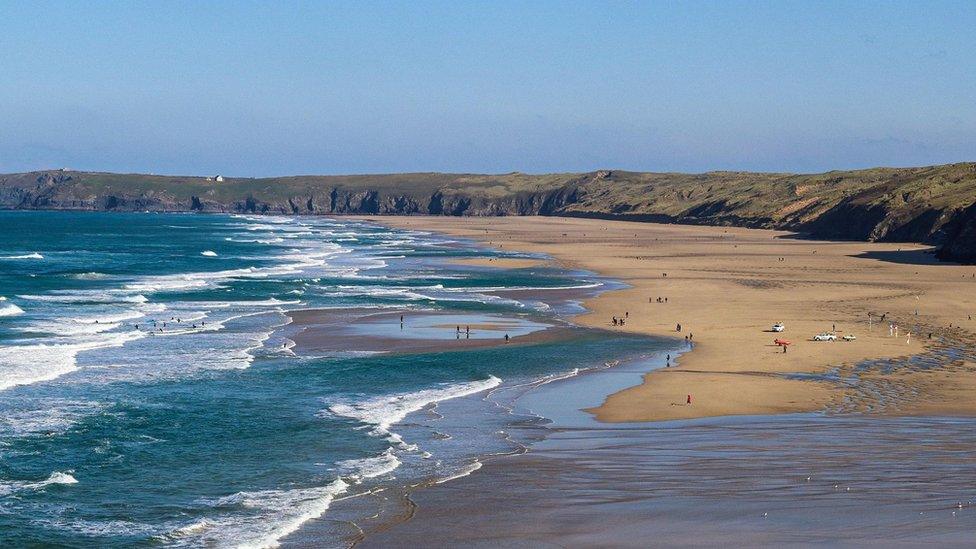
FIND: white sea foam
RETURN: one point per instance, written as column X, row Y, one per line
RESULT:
column 57, row 477
column 62, row 328
column 10, row 310
column 358, row 469
column 209, row 253
column 295, row 263
column 34, row 255
column 87, row 296
column 263, row 517
column 28, row 364
column 129, row 314
column 382, row 412
column 465, row 471
column 46, row 415
column 275, row 240
column 90, row 276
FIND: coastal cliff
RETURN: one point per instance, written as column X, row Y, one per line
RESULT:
column 935, row 204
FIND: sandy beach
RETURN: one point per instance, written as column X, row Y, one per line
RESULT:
column 726, row 287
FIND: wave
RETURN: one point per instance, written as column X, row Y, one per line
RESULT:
column 382, row 412
column 89, row 276
column 57, row 477
column 465, row 471
column 260, row 519
column 10, row 310
column 34, row 255
column 380, row 465
column 274, row 240
column 29, row 364
column 209, row 253
column 87, row 296
column 129, row 314
column 62, row 328
column 294, row 264
column 270, row 302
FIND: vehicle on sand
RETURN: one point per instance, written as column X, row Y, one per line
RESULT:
column 850, row 337
column 778, row 327
column 825, row 336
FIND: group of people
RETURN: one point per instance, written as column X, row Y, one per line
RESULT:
column 659, row 300
column 467, row 332
column 160, row 326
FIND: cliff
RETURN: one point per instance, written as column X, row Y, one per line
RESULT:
column 935, row 204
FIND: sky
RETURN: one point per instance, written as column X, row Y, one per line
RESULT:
column 279, row 88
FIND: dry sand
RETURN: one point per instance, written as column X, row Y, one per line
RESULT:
column 727, row 286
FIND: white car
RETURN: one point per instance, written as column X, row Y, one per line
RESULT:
column 826, row 336
column 778, row 327
column 850, row 337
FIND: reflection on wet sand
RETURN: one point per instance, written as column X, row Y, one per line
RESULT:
column 834, row 477
column 788, row 479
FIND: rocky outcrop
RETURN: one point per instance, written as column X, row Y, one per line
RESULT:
column 959, row 242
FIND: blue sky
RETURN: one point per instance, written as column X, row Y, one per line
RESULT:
column 268, row 88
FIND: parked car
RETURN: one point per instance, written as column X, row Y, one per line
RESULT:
column 850, row 337
column 825, row 336
column 778, row 327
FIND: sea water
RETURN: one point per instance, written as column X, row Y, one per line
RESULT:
column 150, row 393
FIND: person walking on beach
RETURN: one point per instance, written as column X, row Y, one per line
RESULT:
column 677, row 327
column 688, row 402
column 506, row 338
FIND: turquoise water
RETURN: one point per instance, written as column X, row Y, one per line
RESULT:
column 150, row 394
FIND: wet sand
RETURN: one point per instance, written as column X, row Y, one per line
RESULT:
column 727, row 286
column 318, row 332
column 785, row 480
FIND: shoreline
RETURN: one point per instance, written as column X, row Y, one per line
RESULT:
column 726, row 286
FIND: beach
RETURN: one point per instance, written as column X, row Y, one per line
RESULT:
column 727, row 286
column 861, row 442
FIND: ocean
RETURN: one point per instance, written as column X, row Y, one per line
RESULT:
column 152, row 393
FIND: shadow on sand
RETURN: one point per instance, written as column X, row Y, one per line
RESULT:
column 906, row 257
